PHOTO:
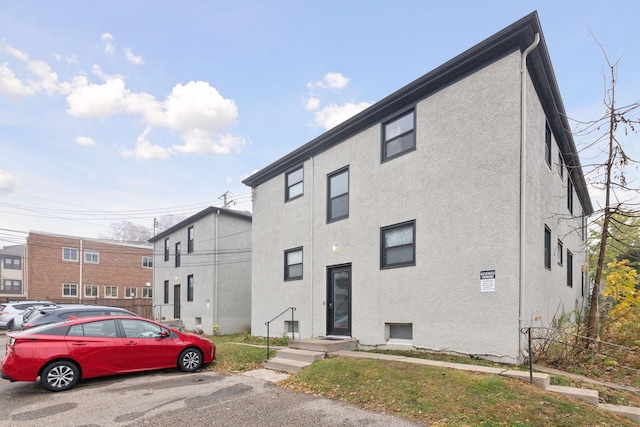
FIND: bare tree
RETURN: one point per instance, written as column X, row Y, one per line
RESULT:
column 128, row 232
column 610, row 176
column 165, row 222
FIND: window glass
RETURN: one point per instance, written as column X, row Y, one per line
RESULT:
column 293, row 264
column 69, row 254
column 140, row 329
column 547, row 144
column 399, row 136
column 295, row 184
column 338, row 206
column 398, row 247
column 91, row 257
column 547, row 247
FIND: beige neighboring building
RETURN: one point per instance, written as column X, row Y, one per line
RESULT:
column 12, row 282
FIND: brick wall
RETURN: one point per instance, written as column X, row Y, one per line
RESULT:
column 118, row 265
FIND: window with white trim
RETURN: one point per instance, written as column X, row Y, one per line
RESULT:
column 69, row 289
column 69, row 254
column 110, row 291
column 130, row 292
column 147, row 292
column 91, row 291
column 147, row 262
column 92, row 257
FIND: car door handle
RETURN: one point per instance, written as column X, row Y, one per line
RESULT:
column 79, row 343
column 131, row 343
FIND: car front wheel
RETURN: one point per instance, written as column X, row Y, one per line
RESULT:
column 190, row 360
column 60, row 376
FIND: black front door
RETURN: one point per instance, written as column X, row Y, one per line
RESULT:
column 176, row 301
column 339, row 300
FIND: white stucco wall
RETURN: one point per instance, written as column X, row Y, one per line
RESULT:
column 461, row 186
column 221, row 266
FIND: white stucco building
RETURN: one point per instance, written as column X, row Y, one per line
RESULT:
column 447, row 216
column 202, row 271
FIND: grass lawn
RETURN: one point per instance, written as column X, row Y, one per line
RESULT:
column 431, row 395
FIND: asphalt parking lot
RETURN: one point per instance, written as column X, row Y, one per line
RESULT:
column 174, row 398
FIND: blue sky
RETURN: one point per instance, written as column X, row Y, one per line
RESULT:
column 130, row 110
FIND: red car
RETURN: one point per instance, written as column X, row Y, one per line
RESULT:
column 63, row 353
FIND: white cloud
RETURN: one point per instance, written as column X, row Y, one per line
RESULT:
column 145, row 150
column 85, row 140
column 11, row 85
column 108, row 42
column 71, row 59
column 331, row 81
column 312, row 103
column 332, row 115
column 202, row 116
column 7, row 183
column 18, row 54
column 134, row 59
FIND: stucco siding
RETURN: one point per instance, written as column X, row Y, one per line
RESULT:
column 461, row 187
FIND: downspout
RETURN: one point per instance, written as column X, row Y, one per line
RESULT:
column 523, row 163
column 215, row 272
column 80, row 291
column 312, row 243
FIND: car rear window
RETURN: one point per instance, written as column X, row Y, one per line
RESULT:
column 57, row 329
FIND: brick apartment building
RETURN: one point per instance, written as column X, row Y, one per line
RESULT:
column 68, row 269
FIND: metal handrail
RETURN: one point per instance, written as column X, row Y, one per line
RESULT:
column 292, row 328
column 595, row 346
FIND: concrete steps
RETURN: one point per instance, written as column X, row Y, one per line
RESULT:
column 301, row 353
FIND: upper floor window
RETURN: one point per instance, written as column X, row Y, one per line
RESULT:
column 570, row 195
column 397, row 245
column 560, row 163
column 166, row 249
column 293, row 264
column 147, row 262
column 398, row 136
column 547, row 144
column 178, row 254
column 338, row 195
column 294, row 181
column 547, row 247
column 92, row 257
column 13, row 263
column 69, row 254
column 559, row 252
column 190, row 240
column 190, row 287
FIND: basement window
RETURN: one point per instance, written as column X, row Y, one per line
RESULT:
column 291, row 328
column 399, row 331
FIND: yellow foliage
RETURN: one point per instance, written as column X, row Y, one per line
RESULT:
column 620, row 286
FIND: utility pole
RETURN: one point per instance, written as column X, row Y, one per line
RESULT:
column 226, row 202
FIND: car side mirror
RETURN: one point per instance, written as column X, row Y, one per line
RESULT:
column 164, row 333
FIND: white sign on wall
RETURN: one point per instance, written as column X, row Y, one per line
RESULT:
column 488, row 281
